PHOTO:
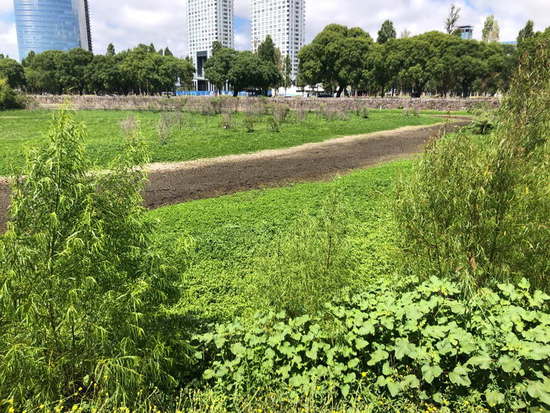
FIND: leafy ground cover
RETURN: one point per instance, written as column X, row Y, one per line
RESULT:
column 223, row 239
column 194, row 136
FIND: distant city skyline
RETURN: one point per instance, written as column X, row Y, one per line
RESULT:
column 164, row 22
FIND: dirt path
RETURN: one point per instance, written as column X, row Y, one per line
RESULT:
column 174, row 183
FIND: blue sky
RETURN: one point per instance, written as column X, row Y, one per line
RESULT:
column 163, row 22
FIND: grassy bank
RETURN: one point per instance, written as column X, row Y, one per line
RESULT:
column 195, row 136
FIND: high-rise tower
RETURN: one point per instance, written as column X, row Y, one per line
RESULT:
column 52, row 25
column 208, row 21
column 284, row 21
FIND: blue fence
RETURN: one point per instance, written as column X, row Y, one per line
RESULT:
column 206, row 93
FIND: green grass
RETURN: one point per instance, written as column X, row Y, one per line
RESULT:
column 230, row 233
column 200, row 137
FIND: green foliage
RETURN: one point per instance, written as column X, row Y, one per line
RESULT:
column 82, row 291
column 139, row 71
column 335, row 58
column 232, row 235
column 9, row 99
column 476, row 210
column 13, row 72
column 200, row 138
column 425, row 345
column 217, row 68
column 250, row 72
column 386, row 32
column 308, row 265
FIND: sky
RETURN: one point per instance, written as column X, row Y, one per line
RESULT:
column 163, row 22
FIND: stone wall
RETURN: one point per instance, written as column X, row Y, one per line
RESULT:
column 229, row 104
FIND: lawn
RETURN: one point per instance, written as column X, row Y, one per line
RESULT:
column 197, row 136
column 229, row 234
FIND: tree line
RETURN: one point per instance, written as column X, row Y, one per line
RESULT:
column 347, row 60
column 340, row 59
column 141, row 70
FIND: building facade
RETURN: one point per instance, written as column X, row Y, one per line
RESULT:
column 52, row 25
column 466, row 32
column 208, row 21
column 285, row 22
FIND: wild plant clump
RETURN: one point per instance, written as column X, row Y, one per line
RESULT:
column 307, row 266
column 226, row 121
column 477, row 210
column 83, row 290
column 9, row 99
column 425, row 345
column 249, row 122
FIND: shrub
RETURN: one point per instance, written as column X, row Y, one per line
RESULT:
column 82, row 289
column 9, row 99
column 249, row 123
column 281, row 112
column 226, row 121
column 425, row 345
column 274, row 124
column 477, row 210
column 308, row 265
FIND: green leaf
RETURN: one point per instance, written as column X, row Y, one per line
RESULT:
column 378, row 356
column 238, row 349
column 540, row 391
column 481, row 361
column 429, row 373
column 509, row 364
column 394, row 388
column 459, row 376
column 494, row 398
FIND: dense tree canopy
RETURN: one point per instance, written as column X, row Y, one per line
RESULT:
column 141, row 70
column 335, row 58
column 241, row 71
column 12, row 71
column 346, row 59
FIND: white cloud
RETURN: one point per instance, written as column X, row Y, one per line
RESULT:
column 163, row 22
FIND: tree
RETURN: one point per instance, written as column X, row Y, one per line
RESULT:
column 267, row 51
column 111, row 50
column 491, row 30
column 9, row 99
column 386, row 32
column 168, row 52
column 83, row 289
column 405, row 34
column 336, row 58
column 526, row 33
column 250, row 72
column 13, row 72
column 452, row 19
column 218, row 67
column 73, row 70
column 287, row 73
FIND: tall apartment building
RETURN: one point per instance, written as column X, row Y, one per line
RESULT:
column 284, row 21
column 52, row 25
column 208, row 21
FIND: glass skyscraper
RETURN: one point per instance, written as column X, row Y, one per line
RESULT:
column 52, row 25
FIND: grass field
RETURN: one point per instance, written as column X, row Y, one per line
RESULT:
column 231, row 233
column 200, row 136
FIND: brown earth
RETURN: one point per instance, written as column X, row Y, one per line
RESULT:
column 174, row 183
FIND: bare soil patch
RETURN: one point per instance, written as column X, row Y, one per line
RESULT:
column 173, row 183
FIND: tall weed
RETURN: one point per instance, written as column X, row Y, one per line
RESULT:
column 477, row 209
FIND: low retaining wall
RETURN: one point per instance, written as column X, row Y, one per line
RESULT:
column 230, row 104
